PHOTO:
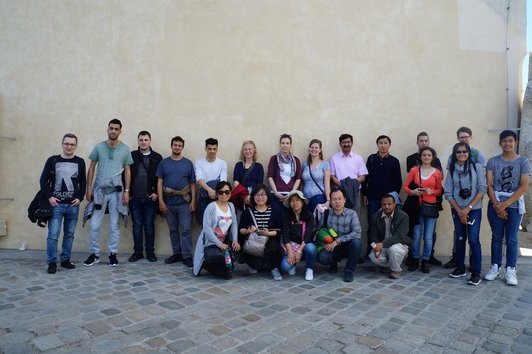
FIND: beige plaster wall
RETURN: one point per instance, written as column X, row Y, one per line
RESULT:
column 245, row 69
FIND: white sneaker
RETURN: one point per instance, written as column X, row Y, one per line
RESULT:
column 309, row 274
column 276, row 274
column 292, row 271
column 511, row 277
column 493, row 273
column 253, row 270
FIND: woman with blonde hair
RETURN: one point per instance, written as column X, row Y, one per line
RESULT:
column 248, row 172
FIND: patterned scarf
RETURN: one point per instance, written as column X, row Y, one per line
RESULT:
column 281, row 160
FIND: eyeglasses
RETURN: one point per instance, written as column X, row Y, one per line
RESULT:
column 461, row 152
column 464, row 137
column 261, row 195
column 224, row 191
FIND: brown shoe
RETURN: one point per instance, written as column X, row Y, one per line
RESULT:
column 394, row 275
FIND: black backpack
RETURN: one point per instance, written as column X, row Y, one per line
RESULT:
column 40, row 210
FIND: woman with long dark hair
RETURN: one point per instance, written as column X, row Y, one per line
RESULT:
column 465, row 186
column 428, row 180
column 298, row 225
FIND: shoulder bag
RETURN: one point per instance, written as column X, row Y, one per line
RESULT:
column 428, row 210
column 255, row 243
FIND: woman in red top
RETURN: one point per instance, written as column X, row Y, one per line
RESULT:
column 428, row 179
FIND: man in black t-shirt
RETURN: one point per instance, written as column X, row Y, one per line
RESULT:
column 63, row 182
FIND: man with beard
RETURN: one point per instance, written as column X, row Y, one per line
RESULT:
column 108, row 191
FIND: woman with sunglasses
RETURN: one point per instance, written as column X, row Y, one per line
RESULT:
column 284, row 171
column 465, row 186
column 428, row 180
column 219, row 230
column 265, row 221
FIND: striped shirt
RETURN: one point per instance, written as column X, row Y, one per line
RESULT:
column 263, row 218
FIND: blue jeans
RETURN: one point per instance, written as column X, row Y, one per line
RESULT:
column 111, row 202
column 314, row 201
column 501, row 228
column 309, row 254
column 471, row 233
column 70, row 215
column 349, row 250
column 425, row 227
column 143, row 215
column 179, row 220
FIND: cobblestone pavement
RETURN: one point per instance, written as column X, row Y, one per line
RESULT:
column 157, row 308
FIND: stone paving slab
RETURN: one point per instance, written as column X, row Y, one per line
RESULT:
column 147, row 307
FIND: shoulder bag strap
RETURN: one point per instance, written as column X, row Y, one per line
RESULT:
column 311, row 176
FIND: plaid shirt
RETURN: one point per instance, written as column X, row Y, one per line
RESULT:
column 346, row 224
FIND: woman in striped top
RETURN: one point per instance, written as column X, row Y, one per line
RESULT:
column 269, row 225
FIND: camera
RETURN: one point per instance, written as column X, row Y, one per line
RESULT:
column 464, row 193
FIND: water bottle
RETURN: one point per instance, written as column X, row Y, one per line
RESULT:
column 228, row 261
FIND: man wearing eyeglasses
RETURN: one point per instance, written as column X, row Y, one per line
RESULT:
column 108, row 190
column 176, row 191
column 63, row 183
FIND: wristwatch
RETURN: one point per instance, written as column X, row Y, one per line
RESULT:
column 470, row 207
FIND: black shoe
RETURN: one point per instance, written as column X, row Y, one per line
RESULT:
column 113, row 262
column 151, row 257
column 348, row 277
column 333, row 268
column 452, row 263
column 409, row 261
column 135, row 257
column 475, row 279
column 434, row 261
column 92, row 260
column 188, row 262
column 228, row 276
column 414, row 265
column 458, row 272
column 173, row 258
column 67, row 264
column 425, row 267
column 52, row 267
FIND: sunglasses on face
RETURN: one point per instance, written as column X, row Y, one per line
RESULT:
column 461, row 152
column 224, row 191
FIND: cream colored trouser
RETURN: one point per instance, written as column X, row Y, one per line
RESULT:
column 391, row 257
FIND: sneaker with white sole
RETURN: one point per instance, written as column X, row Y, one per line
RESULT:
column 276, row 274
column 253, row 270
column 309, row 274
column 511, row 276
column 93, row 259
column 292, row 271
column 113, row 262
column 493, row 273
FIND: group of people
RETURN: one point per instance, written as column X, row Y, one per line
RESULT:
column 306, row 212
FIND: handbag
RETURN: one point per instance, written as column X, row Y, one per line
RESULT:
column 255, row 243
column 428, row 210
column 213, row 254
